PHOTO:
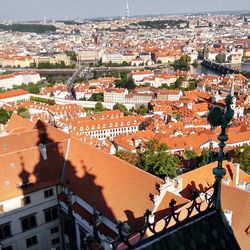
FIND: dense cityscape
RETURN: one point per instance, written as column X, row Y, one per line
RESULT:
column 102, row 119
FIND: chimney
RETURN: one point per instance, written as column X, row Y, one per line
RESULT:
column 43, row 151
column 242, row 185
column 236, row 174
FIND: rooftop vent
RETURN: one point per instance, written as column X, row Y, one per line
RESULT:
column 242, row 185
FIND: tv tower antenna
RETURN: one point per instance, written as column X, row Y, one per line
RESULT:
column 127, row 10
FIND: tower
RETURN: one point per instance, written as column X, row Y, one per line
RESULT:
column 127, row 10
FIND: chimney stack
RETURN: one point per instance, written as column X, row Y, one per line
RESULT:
column 236, row 175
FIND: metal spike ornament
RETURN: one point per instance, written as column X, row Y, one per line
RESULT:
column 219, row 117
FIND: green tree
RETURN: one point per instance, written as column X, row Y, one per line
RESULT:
column 97, row 97
column 192, row 84
column 132, row 110
column 246, row 74
column 99, row 107
column 204, row 158
column 34, row 28
column 176, row 116
column 142, row 110
column 243, row 157
column 34, row 89
column 125, row 81
column 220, row 58
column 4, row 116
column 182, row 63
column 178, row 83
column 156, row 160
column 127, row 156
column 195, row 62
column 23, row 112
column 122, row 108
column 43, row 100
column 190, row 154
column 72, row 55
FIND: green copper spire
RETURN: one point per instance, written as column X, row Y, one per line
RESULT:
column 219, row 117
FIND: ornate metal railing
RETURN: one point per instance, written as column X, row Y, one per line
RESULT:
column 172, row 219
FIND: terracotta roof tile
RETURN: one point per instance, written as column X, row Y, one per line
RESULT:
column 13, row 93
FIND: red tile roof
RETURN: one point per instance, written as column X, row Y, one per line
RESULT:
column 238, row 201
column 115, row 185
column 13, row 93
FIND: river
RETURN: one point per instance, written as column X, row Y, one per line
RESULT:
column 200, row 69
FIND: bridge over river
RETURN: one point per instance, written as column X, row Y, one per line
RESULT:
column 221, row 68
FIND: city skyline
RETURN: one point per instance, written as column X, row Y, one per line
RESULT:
column 38, row 10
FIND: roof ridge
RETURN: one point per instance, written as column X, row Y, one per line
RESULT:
column 26, row 149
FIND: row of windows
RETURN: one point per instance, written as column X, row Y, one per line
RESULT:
column 110, row 125
column 112, row 130
column 27, row 200
column 29, row 222
column 32, row 241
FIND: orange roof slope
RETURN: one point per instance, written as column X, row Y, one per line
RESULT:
column 17, row 123
column 120, row 190
column 13, row 93
column 30, row 139
column 238, row 201
column 202, row 178
column 28, row 166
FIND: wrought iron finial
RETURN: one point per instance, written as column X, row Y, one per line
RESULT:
column 220, row 117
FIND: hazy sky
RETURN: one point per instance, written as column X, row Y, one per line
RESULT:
column 55, row 9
